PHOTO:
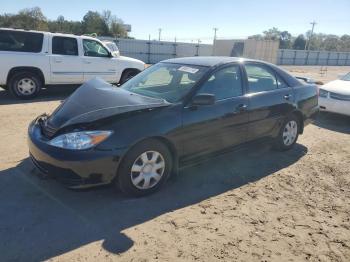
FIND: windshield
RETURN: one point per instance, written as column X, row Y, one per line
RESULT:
column 167, row 81
column 111, row 46
column 346, row 77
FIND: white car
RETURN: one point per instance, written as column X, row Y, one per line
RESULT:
column 335, row 96
column 30, row 60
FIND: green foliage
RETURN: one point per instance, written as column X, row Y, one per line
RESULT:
column 93, row 23
column 299, row 43
column 30, row 18
column 103, row 24
column 284, row 37
column 316, row 41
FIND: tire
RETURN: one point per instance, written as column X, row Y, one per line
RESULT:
column 288, row 134
column 127, row 75
column 134, row 172
column 25, row 85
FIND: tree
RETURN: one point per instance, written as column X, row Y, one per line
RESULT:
column 331, row 43
column 30, row 19
column 284, row 37
column 115, row 24
column 299, row 43
column 256, row 37
column 285, row 40
column 103, row 24
column 345, row 43
column 93, row 22
column 272, row 34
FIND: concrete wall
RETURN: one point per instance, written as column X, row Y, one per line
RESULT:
column 223, row 47
column 266, row 50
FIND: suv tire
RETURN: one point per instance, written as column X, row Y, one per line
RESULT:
column 25, row 85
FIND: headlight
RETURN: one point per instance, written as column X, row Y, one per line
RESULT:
column 323, row 93
column 80, row 140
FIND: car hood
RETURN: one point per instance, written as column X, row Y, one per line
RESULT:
column 338, row 86
column 96, row 100
column 126, row 58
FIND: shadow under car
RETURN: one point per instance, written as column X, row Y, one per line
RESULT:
column 41, row 219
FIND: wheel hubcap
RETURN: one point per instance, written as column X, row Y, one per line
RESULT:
column 26, row 86
column 147, row 170
column 290, row 132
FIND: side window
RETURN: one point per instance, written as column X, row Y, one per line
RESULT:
column 225, row 83
column 19, row 41
column 64, row 46
column 94, row 49
column 260, row 79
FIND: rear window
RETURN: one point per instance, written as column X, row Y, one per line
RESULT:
column 21, row 41
column 64, row 46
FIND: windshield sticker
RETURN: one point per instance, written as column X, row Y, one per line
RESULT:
column 188, row 69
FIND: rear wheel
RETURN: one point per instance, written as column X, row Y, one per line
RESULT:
column 288, row 134
column 25, row 85
column 127, row 75
column 145, row 168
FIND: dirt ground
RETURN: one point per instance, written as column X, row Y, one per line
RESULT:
column 253, row 204
column 318, row 73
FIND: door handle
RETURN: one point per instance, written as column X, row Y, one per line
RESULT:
column 58, row 61
column 241, row 108
column 286, row 97
column 87, row 62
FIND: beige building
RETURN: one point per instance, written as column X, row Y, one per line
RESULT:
column 265, row 50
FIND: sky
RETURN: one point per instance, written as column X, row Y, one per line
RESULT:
column 190, row 20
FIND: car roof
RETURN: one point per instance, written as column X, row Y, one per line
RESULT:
column 50, row 33
column 214, row 61
column 207, row 60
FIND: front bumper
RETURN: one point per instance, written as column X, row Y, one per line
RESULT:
column 74, row 168
column 334, row 105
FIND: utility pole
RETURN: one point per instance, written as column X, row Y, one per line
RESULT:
column 215, row 30
column 160, row 33
column 199, row 41
column 312, row 32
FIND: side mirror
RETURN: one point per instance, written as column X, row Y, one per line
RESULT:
column 203, row 100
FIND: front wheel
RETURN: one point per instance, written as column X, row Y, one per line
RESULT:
column 288, row 134
column 145, row 168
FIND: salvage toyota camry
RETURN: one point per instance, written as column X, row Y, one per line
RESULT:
column 137, row 135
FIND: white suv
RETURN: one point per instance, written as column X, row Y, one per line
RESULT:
column 30, row 60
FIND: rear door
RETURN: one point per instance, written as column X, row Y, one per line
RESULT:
column 270, row 100
column 98, row 61
column 66, row 64
column 214, row 127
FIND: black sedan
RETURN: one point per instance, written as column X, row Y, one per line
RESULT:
column 175, row 111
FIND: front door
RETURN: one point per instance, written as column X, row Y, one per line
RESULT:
column 214, row 127
column 98, row 62
column 66, row 64
column 270, row 100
